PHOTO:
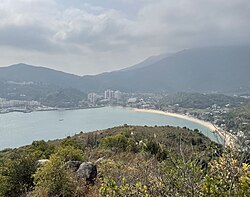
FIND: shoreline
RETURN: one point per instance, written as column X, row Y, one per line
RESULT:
column 227, row 138
column 49, row 109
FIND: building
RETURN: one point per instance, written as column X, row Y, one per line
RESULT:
column 118, row 95
column 109, row 94
column 92, row 97
column 17, row 103
column 132, row 100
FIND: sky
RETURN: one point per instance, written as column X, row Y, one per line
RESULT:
column 95, row 36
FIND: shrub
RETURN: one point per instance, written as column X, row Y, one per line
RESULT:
column 16, row 174
column 53, row 179
column 69, row 153
column 118, row 141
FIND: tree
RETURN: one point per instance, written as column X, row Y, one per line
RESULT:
column 53, row 179
column 16, row 174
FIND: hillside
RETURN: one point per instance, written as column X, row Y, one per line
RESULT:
column 46, row 94
column 222, row 69
column 28, row 73
column 201, row 101
column 147, row 62
column 136, row 161
column 238, row 120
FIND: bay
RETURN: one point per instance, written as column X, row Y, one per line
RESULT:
column 18, row 129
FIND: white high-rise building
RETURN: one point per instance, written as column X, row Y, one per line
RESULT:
column 109, row 94
column 92, row 97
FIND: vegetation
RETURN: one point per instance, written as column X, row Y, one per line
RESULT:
column 49, row 95
column 138, row 161
column 237, row 121
column 64, row 98
column 200, row 101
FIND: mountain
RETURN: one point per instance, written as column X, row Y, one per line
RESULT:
column 28, row 73
column 147, row 62
column 207, row 69
column 195, row 70
column 50, row 87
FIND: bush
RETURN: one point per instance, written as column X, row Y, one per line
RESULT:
column 53, row 179
column 118, row 141
column 227, row 177
column 42, row 149
column 16, row 174
column 69, row 153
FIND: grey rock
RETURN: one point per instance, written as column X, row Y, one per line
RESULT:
column 88, row 171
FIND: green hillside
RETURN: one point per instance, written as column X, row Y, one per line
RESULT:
column 201, row 101
column 136, row 161
column 239, row 120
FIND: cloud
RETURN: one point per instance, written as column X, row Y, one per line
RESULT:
column 92, row 37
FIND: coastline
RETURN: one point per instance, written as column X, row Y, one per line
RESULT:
column 228, row 138
column 48, row 109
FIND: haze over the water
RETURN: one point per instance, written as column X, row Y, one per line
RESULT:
column 89, row 37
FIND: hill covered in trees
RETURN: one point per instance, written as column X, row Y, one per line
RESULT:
column 201, row 101
column 238, row 121
column 136, row 161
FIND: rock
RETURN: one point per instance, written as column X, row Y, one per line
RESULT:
column 88, row 171
column 73, row 165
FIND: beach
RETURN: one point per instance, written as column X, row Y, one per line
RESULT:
column 228, row 138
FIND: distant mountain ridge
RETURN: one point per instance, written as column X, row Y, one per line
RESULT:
column 23, row 72
column 192, row 70
column 147, row 62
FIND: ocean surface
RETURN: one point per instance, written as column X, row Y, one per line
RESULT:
column 18, row 129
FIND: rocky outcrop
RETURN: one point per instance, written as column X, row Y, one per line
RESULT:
column 88, row 171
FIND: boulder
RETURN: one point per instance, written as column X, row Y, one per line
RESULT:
column 88, row 171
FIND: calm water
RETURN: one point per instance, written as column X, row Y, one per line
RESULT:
column 17, row 129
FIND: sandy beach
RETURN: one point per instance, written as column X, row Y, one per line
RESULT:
column 228, row 138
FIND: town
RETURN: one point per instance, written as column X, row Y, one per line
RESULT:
column 213, row 111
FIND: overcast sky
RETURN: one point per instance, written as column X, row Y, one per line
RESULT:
column 93, row 36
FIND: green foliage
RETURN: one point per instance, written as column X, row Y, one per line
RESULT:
column 70, row 142
column 200, row 101
column 69, row 153
column 53, row 179
column 227, row 177
column 148, row 161
column 112, row 189
column 118, row 141
column 16, row 174
column 239, row 119
column 182, row 177
column 64, row 98
column 157, row 149
column 42, row 149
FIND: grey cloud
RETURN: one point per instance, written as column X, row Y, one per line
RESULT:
column 111, row 33
column 26, row 37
